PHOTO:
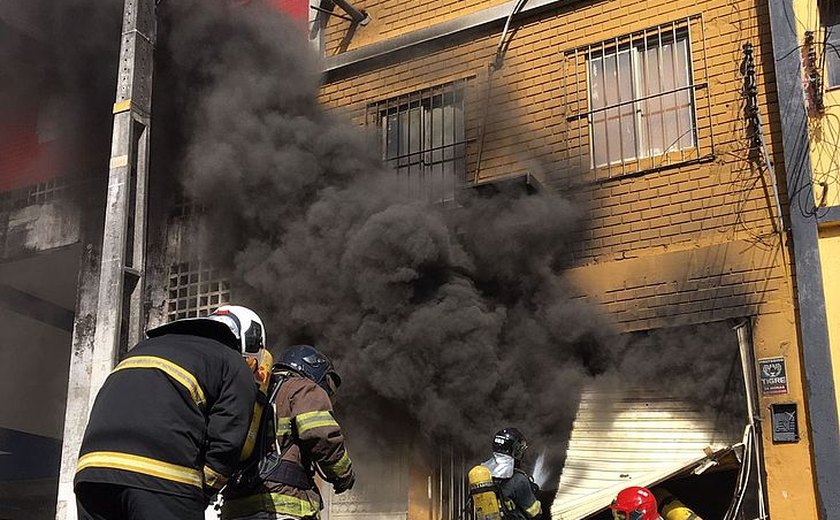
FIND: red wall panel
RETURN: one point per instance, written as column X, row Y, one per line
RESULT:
column 23, row 159
column 297, row 9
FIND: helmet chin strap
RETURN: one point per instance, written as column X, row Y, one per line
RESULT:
column 260, row 374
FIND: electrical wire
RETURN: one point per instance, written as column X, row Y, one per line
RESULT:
column 502, row 47
column 743, row 475
column 495, row 65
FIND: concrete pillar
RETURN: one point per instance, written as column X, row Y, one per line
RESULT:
column 109, row 309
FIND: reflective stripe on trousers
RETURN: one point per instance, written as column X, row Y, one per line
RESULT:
column 276, row 505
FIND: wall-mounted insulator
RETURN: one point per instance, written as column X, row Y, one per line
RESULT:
column 811, row 77
column 751, row 96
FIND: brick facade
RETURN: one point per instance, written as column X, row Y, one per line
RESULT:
column 687, row 242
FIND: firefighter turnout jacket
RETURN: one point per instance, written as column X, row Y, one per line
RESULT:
column 307, row 435
column 518, row 496
column 172, row 418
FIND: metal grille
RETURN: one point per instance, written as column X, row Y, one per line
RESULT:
column 447, row 487
column 195, row 290
column 422, row 138
column 638, row 102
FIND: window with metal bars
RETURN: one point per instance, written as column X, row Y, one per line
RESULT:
column 41, row 193
column 195, row 290
column 422, row 139
column 636, row 99
column 830, row 13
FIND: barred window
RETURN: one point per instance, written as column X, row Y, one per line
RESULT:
column 831, row 26
column 640, row 104
column 195, row 290
column 42, row 193
column 635, row 100
column 422, row 138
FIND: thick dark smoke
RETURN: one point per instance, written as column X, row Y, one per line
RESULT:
column 452, row 322
column 453, row 319
column 60, row 59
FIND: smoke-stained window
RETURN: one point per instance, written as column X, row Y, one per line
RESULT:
column 636, row 100
column 195, row 290
column 422, row 137
column 40, row 193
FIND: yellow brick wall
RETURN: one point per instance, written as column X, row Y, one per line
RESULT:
column 680, row 245
column 391, row 18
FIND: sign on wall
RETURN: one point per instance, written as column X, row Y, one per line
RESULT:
column 785, row 422
column 773, row 374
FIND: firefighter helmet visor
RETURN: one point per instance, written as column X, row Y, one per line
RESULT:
column 634, row 503
column 510, row 441
column 311, row 363
column 245, row 325
column 632, row 515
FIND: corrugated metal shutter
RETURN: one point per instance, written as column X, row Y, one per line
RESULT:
column 622, row 439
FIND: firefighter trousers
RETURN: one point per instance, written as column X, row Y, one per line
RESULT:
column 111, row 502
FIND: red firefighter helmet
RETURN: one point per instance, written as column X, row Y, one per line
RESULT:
column 634, row 503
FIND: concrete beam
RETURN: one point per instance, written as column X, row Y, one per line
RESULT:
column 109, row 308
column 830, row 215
column 813, row 323
column 36, row 308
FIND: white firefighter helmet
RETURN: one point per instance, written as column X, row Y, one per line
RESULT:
column 237, row 327
column 245, row 325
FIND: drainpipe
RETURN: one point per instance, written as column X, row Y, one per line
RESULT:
column 744, row 332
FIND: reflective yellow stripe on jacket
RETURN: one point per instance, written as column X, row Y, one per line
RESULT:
column 270, row 503
column 176, row 372
column 533, row 510
column 284, row 426
column 311, row 420
column 213, row 478
column 339, row 468
column 138, row 464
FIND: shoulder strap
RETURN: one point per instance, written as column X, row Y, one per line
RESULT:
column 503, row 505
column 269, row 418
column 268, row 423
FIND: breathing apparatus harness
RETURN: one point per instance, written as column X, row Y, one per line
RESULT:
column 260, row 463
column 485, row 498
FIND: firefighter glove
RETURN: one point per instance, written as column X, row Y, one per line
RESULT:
column 535, row 488
column 344, row 483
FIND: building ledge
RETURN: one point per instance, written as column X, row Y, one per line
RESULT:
column 829, row 215
column 385, row 48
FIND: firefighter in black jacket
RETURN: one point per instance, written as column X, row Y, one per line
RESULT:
column 168, row 426
column 515, row 486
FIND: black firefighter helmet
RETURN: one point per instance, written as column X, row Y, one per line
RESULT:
column 510, row 441
column 309, row 362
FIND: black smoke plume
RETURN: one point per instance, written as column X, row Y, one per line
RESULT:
column 58, row 61
column 449, row 320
